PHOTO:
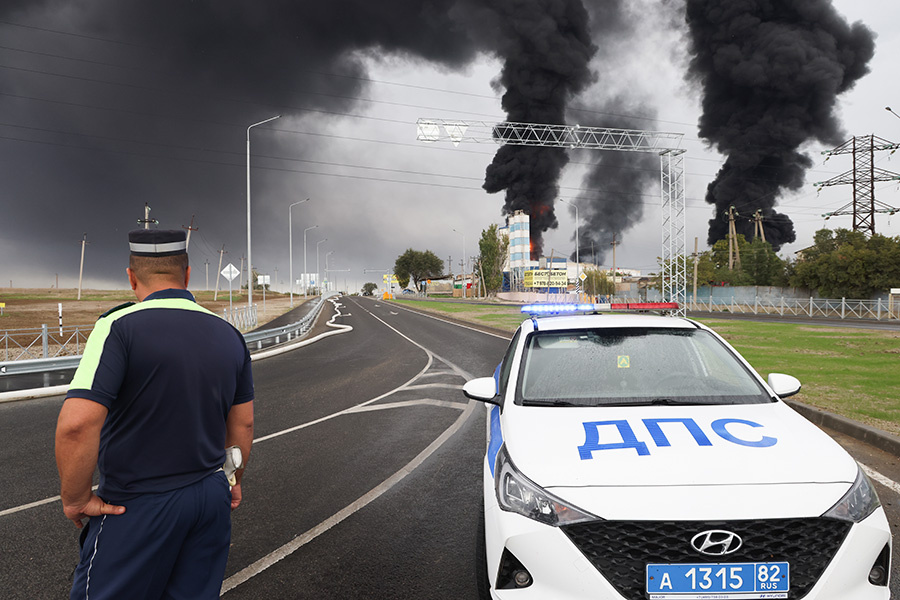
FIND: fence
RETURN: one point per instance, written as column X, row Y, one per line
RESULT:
column 812, row 307
column 242, row 318
column 65, row 358
column 43, row 342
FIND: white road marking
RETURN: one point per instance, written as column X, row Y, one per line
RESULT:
column 883, row 480
column 408, row 403
column 502, row 337
column 16, row 509
column 423, row 386
column 298, row 542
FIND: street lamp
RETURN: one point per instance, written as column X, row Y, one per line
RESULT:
column 249, row 261
column 577, row 256
column 291, row 248
column 890, row 110
column 318, row 282
column 327, row 254
column 306, row 282
column 464, row 263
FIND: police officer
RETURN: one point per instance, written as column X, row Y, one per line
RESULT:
column 163, row 387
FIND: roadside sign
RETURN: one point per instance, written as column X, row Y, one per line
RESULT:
column 263, row 279
column 230, row 272
column 545, row 278
column 582, row 277
column 895, row 291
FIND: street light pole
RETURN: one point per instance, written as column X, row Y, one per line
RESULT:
column 327, row 254
column 318, row 281
column 577, row 255
column 465, row 263
column 305, row 283
column 249, row 261
column 291, row 248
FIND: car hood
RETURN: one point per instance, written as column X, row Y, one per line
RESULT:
column 610, row 460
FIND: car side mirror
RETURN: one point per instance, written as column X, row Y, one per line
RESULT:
column 783, row 385
column 483, row 389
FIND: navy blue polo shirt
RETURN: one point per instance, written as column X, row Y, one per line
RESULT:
column 168, row 371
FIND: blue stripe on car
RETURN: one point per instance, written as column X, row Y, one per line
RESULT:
column 496, row 439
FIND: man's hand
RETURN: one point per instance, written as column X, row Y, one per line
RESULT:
column 235, row 496
column 94, row 507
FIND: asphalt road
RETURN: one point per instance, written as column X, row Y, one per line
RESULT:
column 364, row 480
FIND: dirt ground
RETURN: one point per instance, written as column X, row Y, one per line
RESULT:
column 31, row 308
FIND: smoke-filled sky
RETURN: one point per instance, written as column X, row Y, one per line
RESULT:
column 111, row 104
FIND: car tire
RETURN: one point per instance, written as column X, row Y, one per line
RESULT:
column 482, row 581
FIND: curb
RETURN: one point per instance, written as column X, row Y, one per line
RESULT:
column 876, row 438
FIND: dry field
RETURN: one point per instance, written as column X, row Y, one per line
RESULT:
column 31, row 308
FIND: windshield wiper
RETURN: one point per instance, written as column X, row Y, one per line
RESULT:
column 550, row 403
column 657, row 402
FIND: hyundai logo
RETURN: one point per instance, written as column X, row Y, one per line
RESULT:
column 716, row 542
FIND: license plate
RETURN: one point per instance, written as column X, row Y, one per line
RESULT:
column 718, row 581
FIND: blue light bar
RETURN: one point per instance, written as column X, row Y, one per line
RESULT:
column 569, row 309
column 562, row 309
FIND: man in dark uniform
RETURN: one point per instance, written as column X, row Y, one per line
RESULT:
column 163, row 387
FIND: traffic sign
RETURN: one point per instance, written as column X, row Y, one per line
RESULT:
column 582, row 277
column 230, row 272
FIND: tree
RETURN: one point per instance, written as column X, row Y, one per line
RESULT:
column 417, row 266
column 844, row 263
column 492, row 249
column 368, row 288
column 596, row 283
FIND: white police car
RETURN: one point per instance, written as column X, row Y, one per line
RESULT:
column 639, row 457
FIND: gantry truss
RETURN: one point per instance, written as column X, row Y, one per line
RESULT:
column 863, row 176
column 666, row 145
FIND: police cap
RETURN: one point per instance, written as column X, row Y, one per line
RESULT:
column 157, row 242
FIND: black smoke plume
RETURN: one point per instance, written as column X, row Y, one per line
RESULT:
column 613, row 190
column 770, row 72
column 546, row 49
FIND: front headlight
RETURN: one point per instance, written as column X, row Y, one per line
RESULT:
column 858, row 503
column 516, row 493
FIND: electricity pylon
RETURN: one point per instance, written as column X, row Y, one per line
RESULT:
column 863, row 177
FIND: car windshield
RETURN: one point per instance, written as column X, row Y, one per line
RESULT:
column 633, row 366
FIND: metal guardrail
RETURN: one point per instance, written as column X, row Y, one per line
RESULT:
column 255, row 341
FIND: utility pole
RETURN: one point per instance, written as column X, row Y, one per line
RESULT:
column 80, row 268
column 146, row 221
column 219, row 272
column 276, row 278
column 614, row 243
column 758, row 230
column 190, row 228
column 241, row 277
column 734, row 251
column 207, row 274
column 863, row 177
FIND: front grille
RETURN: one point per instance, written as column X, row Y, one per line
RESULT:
column 621, row 550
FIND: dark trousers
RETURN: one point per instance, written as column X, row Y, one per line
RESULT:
column 172, row 546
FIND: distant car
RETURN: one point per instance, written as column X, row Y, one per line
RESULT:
column 407, row 291
column 635, row 456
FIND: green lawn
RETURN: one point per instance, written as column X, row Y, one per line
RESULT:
column 851, row 372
